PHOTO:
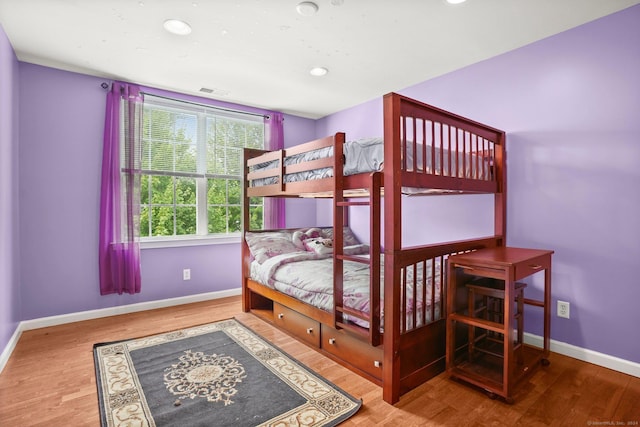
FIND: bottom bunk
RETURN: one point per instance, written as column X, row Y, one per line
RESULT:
column 418, row 351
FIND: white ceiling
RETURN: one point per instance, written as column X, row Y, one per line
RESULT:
column 259, row 52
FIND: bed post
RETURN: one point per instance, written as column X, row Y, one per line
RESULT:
column 500, row 165
column 392, row 244
column 248, row 153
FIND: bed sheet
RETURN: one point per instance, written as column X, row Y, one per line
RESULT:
column 309, row 278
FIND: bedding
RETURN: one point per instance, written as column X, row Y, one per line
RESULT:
column 363, row 155
column 367, row 155
column 308, row 277
column 266, row 244
column 299, row 263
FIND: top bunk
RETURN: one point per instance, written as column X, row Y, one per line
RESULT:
column 424, row 150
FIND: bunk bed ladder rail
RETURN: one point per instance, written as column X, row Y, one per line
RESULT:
column 372, row 334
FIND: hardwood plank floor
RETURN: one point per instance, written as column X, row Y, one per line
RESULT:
column 49, row 380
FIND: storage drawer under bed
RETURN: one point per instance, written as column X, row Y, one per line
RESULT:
column 353, row 351
column 306, row 329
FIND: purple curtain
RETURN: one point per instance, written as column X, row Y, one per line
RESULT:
column 274, row 207
column 119, row 251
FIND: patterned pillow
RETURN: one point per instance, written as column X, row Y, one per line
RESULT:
column 266, row 245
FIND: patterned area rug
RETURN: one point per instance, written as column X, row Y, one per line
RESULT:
column 220, row 374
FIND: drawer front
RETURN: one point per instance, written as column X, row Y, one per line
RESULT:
column 353, row 351
column 531, row 266
column 484, row 271
column 308, row 330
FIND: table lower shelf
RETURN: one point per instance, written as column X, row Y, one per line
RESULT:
column 485, row 370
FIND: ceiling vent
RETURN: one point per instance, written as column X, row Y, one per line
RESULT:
column 214, row 91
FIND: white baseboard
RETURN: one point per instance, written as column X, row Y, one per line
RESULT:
column 11, row 345
column 590, row 356
column 44, row 322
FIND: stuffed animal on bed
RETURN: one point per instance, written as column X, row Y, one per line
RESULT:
column 319, row 245
column 311, row 240
column 300, row 236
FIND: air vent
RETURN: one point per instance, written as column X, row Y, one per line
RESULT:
column 215, row 91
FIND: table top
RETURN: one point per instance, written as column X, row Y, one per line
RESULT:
column 501, row 255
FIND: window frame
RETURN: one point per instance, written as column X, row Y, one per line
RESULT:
column 204, row 113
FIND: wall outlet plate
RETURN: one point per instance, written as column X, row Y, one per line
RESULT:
column 563, row 309
column 186, row 274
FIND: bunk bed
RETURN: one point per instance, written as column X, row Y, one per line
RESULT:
column 396, row 336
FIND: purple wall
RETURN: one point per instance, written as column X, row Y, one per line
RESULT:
column 570, row 105
column 61, row 122
column 10, row 313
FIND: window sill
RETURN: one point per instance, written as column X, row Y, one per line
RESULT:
column 182, row 241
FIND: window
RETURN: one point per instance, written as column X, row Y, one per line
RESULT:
column 191, row 180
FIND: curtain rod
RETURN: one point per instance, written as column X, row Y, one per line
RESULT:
column 266, row 116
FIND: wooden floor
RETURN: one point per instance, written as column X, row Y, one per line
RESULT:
column 49, row 380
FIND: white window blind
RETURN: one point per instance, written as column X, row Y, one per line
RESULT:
column 191, row 162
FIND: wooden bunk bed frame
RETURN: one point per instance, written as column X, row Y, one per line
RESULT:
column 412, row 347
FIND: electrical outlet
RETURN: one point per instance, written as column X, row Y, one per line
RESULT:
column 563, row 309
column 186, row 274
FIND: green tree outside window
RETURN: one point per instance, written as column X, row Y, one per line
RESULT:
column 192, row 169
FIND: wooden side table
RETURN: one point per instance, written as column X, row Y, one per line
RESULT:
column 506, row 264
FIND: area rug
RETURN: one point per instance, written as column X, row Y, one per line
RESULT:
column 219, row 374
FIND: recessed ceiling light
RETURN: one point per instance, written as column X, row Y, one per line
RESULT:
column 318, row 71
column 307, row 8
column 455, row 1
column 177, row 26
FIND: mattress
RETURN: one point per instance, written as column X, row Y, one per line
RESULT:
column 308, row 277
